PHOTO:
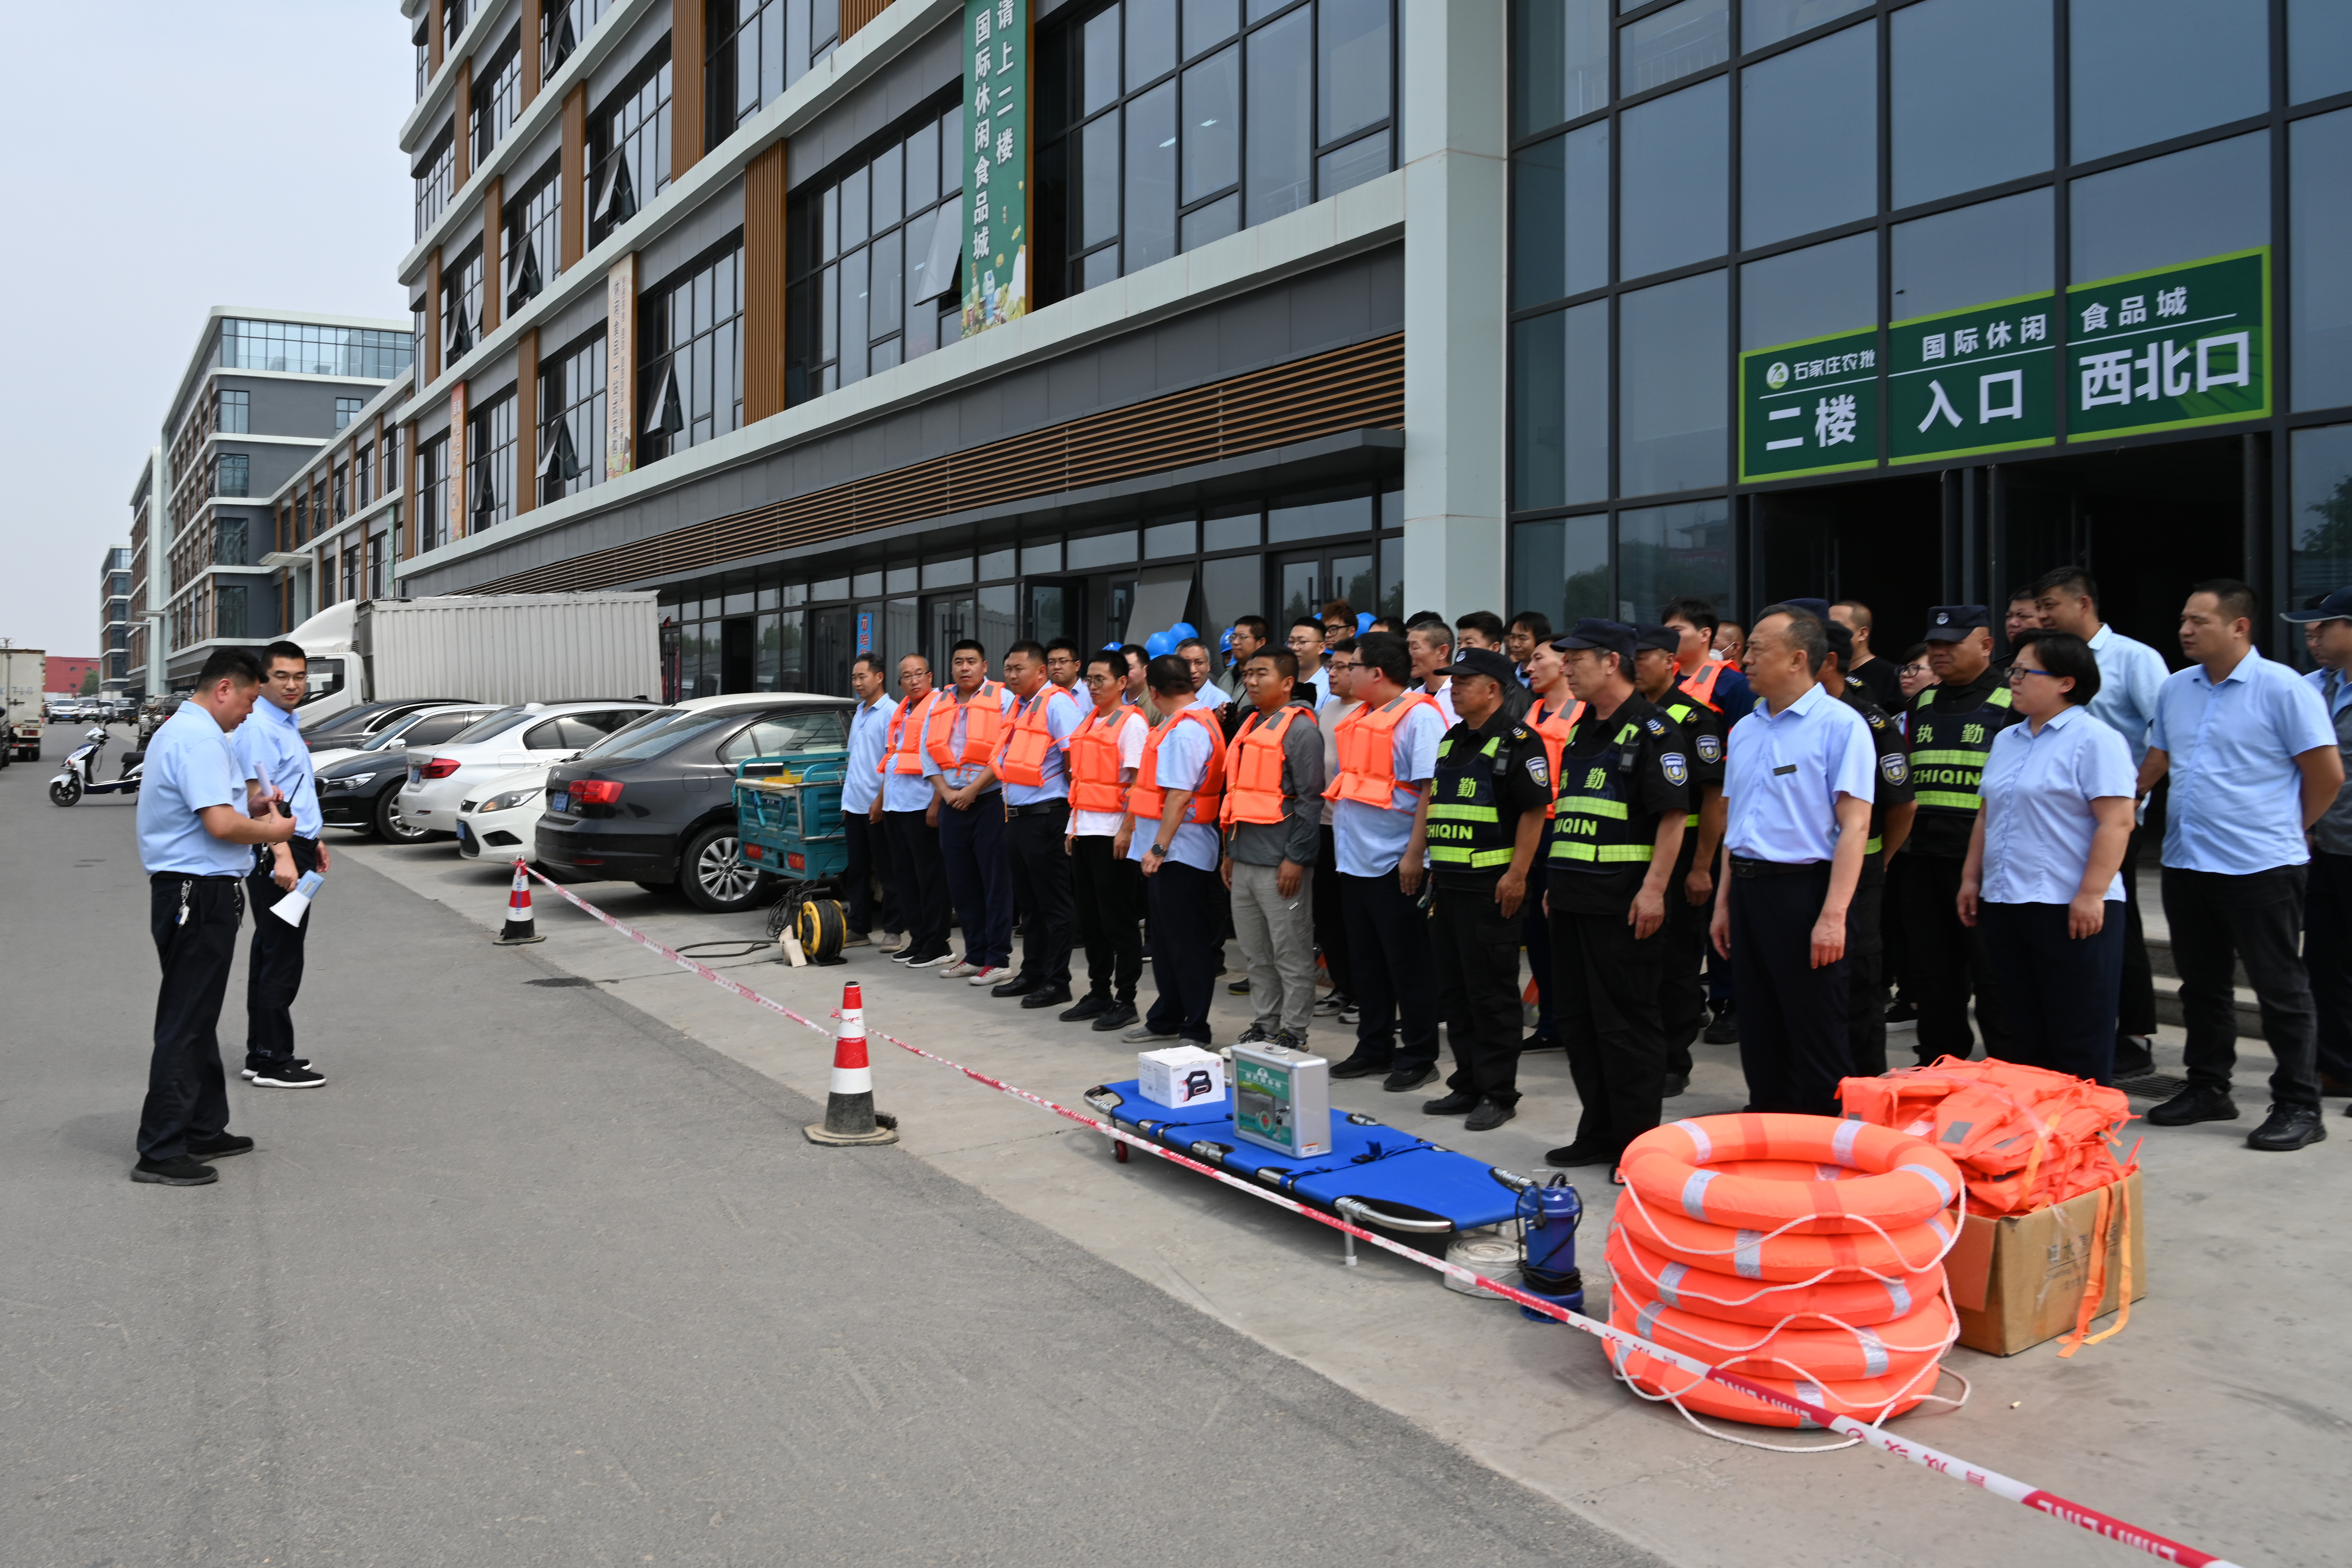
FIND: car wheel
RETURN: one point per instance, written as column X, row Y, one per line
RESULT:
column 713, row 874
column 393, row 827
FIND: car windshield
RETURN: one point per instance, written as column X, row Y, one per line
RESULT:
column 393, row 732
column 658, row 732
column 491, row 725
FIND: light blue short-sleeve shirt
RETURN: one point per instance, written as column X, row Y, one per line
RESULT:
column 2130, row 675
column 869, row 730
column 2038, row 789
column 1371, row 841
column 269, row 746
column 2236, row 806
column 1784, row 772
column 1182, row 761
column 190, row 765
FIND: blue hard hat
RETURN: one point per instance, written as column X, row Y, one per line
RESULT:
column 1364, row 622
column 1225, row 641
column 1112, row 647
column 1158, row 643
column 1183, row 629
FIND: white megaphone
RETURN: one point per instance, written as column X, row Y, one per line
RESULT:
column 290, row 907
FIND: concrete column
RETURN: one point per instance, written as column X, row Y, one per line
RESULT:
column 1455, row 172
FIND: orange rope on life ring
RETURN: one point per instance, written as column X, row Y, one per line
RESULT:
column 1729, row 1299
column 1867, row 1399
column 1790, row 1254
column 1682, row 1166
column 1824, row 1347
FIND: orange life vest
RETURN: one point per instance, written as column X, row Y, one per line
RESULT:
column 1146, row 800
column 1554, row 733
column 1367, row 752
column 982, row 729
column 1253, row 768
column 1021, row 760
column 902, row 748
column 1094, row 762
column 1702, row 684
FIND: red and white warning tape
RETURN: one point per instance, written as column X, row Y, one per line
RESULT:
column 1936, row 1460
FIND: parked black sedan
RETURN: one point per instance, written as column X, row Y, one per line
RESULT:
column 363, row 791
column 655, row 804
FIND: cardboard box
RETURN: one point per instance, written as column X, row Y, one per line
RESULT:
column 2018, row 1279
column 1181, row 1076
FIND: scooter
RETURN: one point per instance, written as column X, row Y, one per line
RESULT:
column 80, row 775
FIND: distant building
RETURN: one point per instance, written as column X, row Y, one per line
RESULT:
column 65, row 673
column 114, row 620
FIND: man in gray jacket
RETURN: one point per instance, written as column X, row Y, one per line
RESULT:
column 1271, row 819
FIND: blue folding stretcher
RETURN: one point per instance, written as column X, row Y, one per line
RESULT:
column 1374, row 1174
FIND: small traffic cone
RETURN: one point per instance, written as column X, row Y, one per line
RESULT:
column 849, row 1116
column 518, row 929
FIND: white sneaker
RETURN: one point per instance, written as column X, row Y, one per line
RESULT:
column 987, row 974
column 958, row 969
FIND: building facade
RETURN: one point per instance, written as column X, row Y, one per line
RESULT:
column 114, row 621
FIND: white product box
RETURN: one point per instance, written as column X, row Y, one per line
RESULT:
column 1181, row 1076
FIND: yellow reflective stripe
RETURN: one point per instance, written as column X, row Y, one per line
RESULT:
column 1948, row 800
column 1962, row 759
column 1579, row 805
column 1573, row 849
column 1691, row 820
column 1476, row 859
column 1465, row 814
column 1873, row 847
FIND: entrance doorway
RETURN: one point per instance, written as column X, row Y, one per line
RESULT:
column 737, row 642
column 1881, row 541
column 1306, row 581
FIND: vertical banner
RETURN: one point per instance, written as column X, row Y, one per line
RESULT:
column 996, row 38
column 620, row 366
column 454, row 484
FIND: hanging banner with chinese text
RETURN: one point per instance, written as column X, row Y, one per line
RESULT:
column 1973, row 381
column 2166, row 350
column 1810, row 407
column 995, row 162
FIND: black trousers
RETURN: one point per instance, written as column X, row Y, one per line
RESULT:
column 869, row 858
column 1606, row 983
column 1682, row 988
column 1183, row 948
column 980, row 885
column 1895, row 947
column 187, row 1090
column 922, row 880
column 1865, row 951
column 1793, row 1045
column 2219, row 922
column 2057, row 992
column 2135, row 999
column 1388, row 949
column 273, row 965
column 1477, row 950
column 2327, row 959
column 1108, row 894
column 1330, row 919
column 1947, row 963
column 1041, row 881
column 1535, row 935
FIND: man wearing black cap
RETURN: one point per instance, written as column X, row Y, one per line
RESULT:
column 1625, row 792
column 1952, row 726
column 1483, row 822
column 2327, row 891
column 1690, row 891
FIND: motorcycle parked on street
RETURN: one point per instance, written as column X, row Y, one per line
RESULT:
column 79, row 776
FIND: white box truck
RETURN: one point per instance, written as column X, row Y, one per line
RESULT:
column 21, row 673
column 492, row 648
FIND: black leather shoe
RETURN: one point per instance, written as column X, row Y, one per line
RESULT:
column 1019, row 985
column 179, row 1170
column 2288, row 1127
column 1121, row 1016
column 1359, row 1067
column 1090, row 1006
column 2195, row 1104
column 1403, row 1079
column 1725, row 1029
column 1046, row 996
column 2333, row 1086
column 1676, row 1083
column 220, row 1146
column 2134, row 1059
column 1489, row 1115
column 1576, row 1154
column 1458, row 1103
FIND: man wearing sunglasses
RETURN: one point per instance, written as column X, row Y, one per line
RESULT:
column 275, row 761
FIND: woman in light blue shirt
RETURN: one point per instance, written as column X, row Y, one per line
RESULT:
column 2042, row 861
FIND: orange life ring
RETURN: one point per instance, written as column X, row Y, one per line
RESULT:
column 1726, row 1299
column 1870, row 1399
column 1818, row 1349
column 1680, row 1166
column 1791, row 1256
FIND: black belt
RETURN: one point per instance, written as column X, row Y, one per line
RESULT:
column 1743, row 866
column 1038, row 808
column 195, row 876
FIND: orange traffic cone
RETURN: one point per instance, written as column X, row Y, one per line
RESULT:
column 518, row 928
column 849, row 1115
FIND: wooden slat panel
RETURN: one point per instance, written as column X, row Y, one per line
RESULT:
column 856, row 14
column 764, row 284
column 687, row 122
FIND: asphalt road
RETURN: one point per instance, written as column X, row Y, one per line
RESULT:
column 535, row 1279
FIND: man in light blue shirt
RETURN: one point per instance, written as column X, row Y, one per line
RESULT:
column 2253, row 764
column 861, row 802
column 197, row 824
column 2327, row 898
column 1035, row 766
column 971, row 817
column 1178, row 856
column 277, row 763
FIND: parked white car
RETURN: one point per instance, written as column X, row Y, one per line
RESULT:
column 499, row 820
column 442, row 778
column 409, row 729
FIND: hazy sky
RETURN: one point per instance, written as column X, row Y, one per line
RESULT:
column 173, row 157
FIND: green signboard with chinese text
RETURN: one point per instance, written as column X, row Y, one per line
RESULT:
column 2167, row 349
column 996, row 117
column 1974, row 381
column 1811, row 408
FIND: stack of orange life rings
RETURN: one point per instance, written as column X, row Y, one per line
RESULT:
column 1804, row 1252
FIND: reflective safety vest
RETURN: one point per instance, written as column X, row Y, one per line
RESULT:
column 1683, row 713
column 902, row 747
column 1366, row 739
column 1592, row 829
column 1094, row 762
column 1949, row 750
column 1466, row 822
column 1702, row 684
column 1146, row 800
column 1253, row 768
column 981, row 730
column 1021, row 760
column 1553, row 732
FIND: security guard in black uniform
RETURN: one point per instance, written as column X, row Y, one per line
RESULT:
column 1483, row 824
column 1952, row 727
column 1690, row 893
column 1617, row 833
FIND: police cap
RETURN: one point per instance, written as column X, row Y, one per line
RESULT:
column 1950, row 623
column 1607, row 636
column 1665, row 639
column 1483, row 661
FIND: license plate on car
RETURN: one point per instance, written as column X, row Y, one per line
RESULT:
column 560, row 801
column 461, row 832
column 415, row 775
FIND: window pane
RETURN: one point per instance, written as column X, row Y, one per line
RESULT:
column 854, row 211
column 1152, row 177
column 2148, row 69
column 852, row 316
column 1098, row 181
column 889, row 186
column 2322, row 542
column 1211, row 125
column 1669, row 552
column 1973, row 256
column 1281, row 161
column 2319, row 217
column 1208, row 22
column 1810, row 293
column 923, row 167
column 1673, row 173
column 2318, row 48
column 1354, row 68
column 1099, row 68
column 1101, row 268
column 1333, row 519
column 1213, row 222
column 1763, row 22
column 1674, row 43
column 1165, row 539
column 1150, row 39
column 1560, row 217
column 1365, row 158
column 2206, row 201
column 1809, row 152
column 918, row 301
column 1559, row 62
column 883, row 317
column 1971, row 96
column 1560, row 567
column 1559, row 408
column 1672, row 385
